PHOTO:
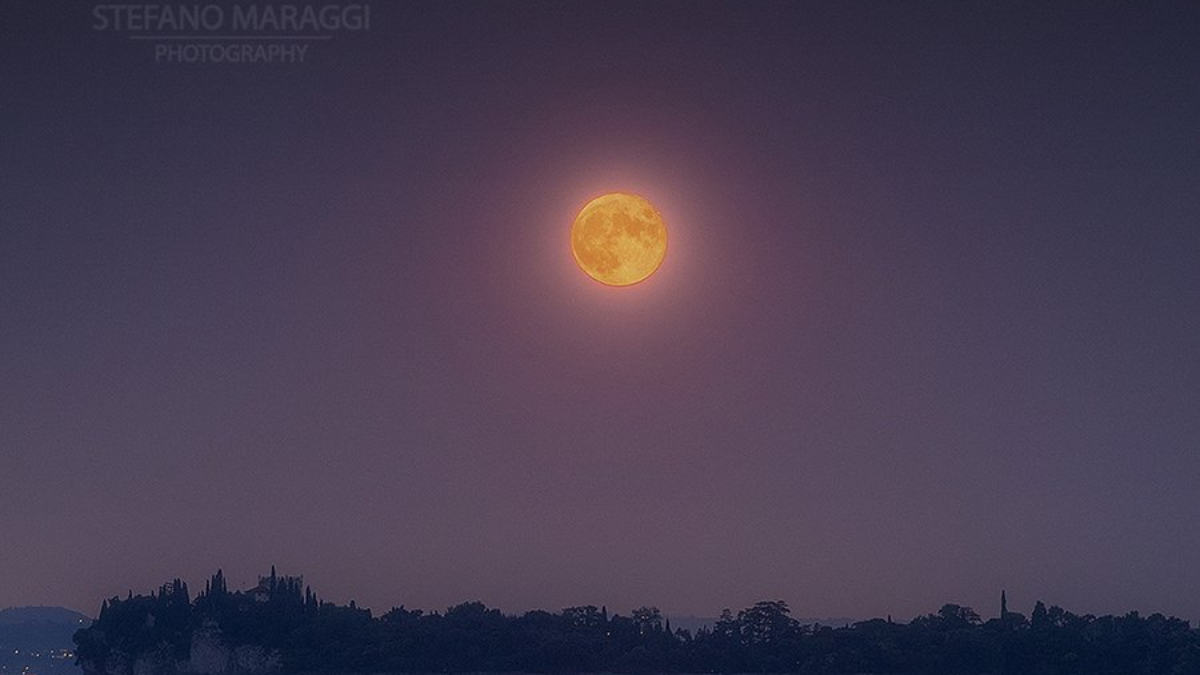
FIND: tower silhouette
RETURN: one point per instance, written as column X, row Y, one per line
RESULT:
column 1003, row 605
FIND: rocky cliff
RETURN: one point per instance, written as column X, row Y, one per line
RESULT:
column 208, row 654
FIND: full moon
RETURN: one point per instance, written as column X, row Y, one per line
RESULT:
column 619, row 239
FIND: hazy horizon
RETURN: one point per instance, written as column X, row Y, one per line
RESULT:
column 683, row 619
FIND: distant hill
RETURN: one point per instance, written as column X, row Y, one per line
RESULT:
column 57, row 615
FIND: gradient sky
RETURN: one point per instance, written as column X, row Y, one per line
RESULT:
column 927, row 329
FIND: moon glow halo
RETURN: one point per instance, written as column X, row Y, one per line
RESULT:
column 619, row 239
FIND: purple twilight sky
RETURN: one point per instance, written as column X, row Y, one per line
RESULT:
column 928, row 326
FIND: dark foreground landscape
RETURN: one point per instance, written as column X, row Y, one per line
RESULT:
column 282, row 627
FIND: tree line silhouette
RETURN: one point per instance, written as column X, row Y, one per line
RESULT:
column 307, row 635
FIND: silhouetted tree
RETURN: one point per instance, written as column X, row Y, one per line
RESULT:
column 313, row 636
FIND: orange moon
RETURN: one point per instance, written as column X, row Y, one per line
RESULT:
column 619, row 239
